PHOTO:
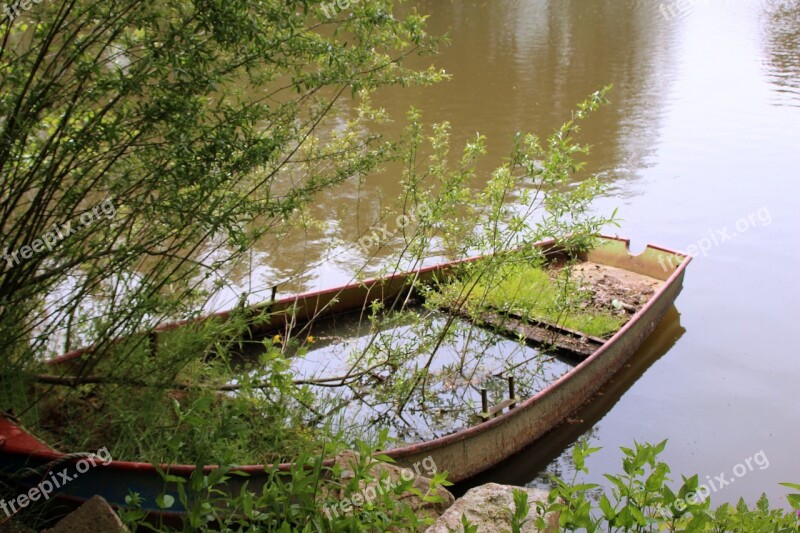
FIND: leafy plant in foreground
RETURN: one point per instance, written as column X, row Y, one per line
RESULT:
column 299, row 499
column 641, row 499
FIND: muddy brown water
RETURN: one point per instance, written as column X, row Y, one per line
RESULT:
column 701, row 149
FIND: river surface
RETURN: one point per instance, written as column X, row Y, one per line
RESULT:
column 701, row 149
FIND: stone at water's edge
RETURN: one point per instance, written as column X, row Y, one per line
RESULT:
column 93, row 516
column 489, row 507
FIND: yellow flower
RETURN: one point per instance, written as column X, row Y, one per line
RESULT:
column 310, row 339
column 277, row 339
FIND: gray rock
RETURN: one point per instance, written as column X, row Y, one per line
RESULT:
column 94, row 516
column 489, row 507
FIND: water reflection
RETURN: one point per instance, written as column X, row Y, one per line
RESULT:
column 546, row 456
column 516, row 66
column 523, row 65
column 782, row 46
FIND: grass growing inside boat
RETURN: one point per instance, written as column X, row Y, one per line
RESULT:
column 524, row 287
column 162, row 425
column 171, row 406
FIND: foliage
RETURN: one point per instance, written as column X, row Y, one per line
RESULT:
column 519, row 517
column 171, row 137
column 299, row 499
column 641, row 499
column 467, row 526
column 187, row 415
column 200, row 126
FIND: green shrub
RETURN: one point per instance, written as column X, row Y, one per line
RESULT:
column 642, row 500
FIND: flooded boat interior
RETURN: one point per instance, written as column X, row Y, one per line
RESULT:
column 425, row 372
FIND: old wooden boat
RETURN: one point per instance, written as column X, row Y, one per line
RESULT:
column 26, row 461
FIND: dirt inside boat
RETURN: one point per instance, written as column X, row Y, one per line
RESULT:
column 610, row 283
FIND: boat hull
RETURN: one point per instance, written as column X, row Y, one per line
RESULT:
column 462, row 454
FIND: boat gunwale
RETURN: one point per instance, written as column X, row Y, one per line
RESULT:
column 394, row 453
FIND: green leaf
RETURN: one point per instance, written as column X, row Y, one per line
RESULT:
column 467, row 525
column 660, row 446
column 698, row 522
column 617, row 482
column 763, row 503
column 608, row 510
column 668, row 495
column 656, row 478
column 741, row 506
column 689, row 485
column 165, row 501
column 794, row 500
column 169, row 478
column 584, row 487
column 637, row 515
